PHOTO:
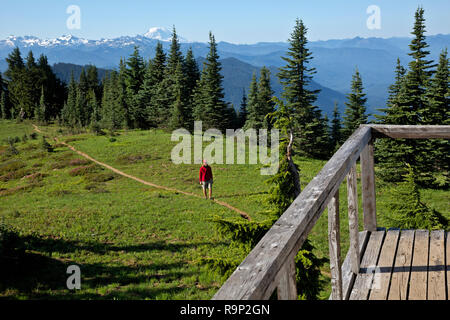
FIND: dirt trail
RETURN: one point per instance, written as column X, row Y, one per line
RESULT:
column 242, row 213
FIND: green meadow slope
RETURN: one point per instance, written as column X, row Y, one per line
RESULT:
column 131, row 241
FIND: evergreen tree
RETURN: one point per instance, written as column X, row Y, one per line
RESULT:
column 20, row 93
column 175, row 56
column 243, row 111
column 209, row 106
column 113, row 113
column 336, row 127
column 3, row 107
column 154, row 75
column 407, row 211
column 438, row 113
column 40, row 111
column 192, row 76
column 178, row 118
column 69, row 113
column 134, row 77
column 81, row 101
column 265, row 94
column 253, row 120
column 407, row 105
column 355, row 110
column 295, row 78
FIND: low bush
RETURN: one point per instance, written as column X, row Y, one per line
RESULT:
column 11, row 244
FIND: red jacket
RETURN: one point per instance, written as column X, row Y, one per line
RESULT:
column 205, row 173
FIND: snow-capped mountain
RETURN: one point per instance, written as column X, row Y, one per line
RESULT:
column 153, row 34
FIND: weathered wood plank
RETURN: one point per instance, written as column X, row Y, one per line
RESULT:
column 348, row 277
column 419, row 267
column 398, row 288
column 254, row 277
column 287, row 286
column 352, row 200
column 363, row 281
column 368, row 188
column 334, row 242
column 385, row 265
column 436, row 266
column 410, row 131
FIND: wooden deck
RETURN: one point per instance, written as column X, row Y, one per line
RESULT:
column 408, row 264
column 400, row 265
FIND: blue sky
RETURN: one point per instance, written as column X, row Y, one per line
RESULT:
column 244, row 21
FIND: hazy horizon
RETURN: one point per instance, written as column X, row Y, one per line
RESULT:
column 234, row 22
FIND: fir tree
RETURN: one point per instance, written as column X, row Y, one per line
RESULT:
column 40, row 111
column 355, row 110
column 252, row 118
column 134, row 77
column 295, row 78
column 336, row 128
column 69, row 112
column 438, row 113
column 178, row 118
column 265, row 94
column 243, row 111
column 3, row 107
column 192, row 76
column 154, row 75
column 209, row 106
column 407, row 211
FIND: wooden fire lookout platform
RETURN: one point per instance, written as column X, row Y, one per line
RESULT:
column 381, row 264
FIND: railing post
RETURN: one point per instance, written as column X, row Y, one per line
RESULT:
column 352, row 200
column 334, row 243
column 368, row 188
column 287, row 286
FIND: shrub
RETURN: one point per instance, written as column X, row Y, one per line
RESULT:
column 24, row 138
column 96, row 128
column 46, row 146
column 407, row 211
column 33, row 136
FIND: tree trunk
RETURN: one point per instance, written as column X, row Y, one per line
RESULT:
column 292, row 167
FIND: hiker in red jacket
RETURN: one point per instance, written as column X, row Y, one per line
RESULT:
column 206, row 179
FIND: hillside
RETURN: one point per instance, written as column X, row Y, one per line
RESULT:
column 334, row 59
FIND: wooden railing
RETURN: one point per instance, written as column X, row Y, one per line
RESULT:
column 271, row 265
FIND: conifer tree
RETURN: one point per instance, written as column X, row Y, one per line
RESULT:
column 336, row 128
column 295, row 78
column 178, row 118
column 438, row 113
column 192, row 76
column 355, row 110
column 407, row 211
column 243, row 111
column 69, row 112
column 407, row 105
column 265, row 94
column 253, row 120
column 154, row 75
column 40, row 111
column 134, row 77
column 209, row 106
column 3, row 106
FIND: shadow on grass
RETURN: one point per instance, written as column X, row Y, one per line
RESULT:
column 36, row 275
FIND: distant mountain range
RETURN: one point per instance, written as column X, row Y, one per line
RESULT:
column 335, row 60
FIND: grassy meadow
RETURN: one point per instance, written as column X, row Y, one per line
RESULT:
column 131, row 241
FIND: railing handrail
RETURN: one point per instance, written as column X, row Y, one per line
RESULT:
column 270, row 263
